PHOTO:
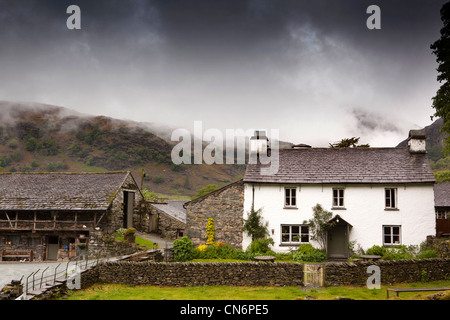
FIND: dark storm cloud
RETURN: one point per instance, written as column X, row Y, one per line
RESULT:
column 229, row 63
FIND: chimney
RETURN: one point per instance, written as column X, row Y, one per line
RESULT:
column 301, row 146
column 417, row 141
column 259, row 143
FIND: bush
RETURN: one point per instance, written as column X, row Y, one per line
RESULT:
column 31, row 144
column 130, row 232
column 260, row 246
column 183, row 249
column 221, row 250
column 307, row 253
column 376, row 250
column 158, row 180
column 400, row 253
column 17, row 156
column 428, row 254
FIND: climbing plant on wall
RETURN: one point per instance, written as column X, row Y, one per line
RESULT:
column 210, row 231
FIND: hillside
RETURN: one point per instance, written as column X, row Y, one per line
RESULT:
column 43, row 138
column 440, row 163
column 435, row 140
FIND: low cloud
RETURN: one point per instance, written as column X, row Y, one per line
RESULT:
column 368, row 122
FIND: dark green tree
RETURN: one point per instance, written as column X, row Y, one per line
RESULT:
column 349, row 143
column 441, row 48
column 254, row 225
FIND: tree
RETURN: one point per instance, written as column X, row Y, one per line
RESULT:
column 31, row 144
column 203, row 191
column 440, row 48
column 319, row 225
column 349, row 143
column 254, row 225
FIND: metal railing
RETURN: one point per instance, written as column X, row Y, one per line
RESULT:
column 45, row 278
column 42, row 278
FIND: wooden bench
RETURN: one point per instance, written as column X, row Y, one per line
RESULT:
column 9, row 253
column 398, row 290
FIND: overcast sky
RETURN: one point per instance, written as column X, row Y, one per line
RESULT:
column 311, row 69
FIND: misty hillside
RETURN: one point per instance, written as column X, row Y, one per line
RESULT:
column 43, row 138
column 435, row 140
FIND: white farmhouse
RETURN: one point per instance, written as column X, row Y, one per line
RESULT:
column 378, row 196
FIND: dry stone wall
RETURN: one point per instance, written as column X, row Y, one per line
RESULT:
column 202, row 274
column 266, row 274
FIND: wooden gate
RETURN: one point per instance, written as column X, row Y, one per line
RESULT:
column 313, row 275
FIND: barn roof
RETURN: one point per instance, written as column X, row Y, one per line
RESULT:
column 173, row 208
column 345, row 165
column 442, row 194
column 59, row 191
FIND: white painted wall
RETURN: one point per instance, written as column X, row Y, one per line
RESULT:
column 365, row 210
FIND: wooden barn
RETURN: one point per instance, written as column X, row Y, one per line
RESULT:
column 49, row 216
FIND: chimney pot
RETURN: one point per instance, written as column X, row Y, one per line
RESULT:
column 417, row 141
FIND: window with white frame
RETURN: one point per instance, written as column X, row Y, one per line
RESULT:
column 294, row 234
column 390, row 198
column 338, row 198
column 391, row 235
column 442, row 214
column 290, row 197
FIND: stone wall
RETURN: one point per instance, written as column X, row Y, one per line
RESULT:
column 394, row 271
column 176, row 274
column 266, row 274
column 169, row 227
column 201, row 274
column 226, row 207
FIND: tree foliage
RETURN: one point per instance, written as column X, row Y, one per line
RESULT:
column 349, row 143
column 254, row 225
column 203, row 191
column 319, row 225
column 440, row 48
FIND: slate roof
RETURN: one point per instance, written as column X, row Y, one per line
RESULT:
column 345, row 165
column 173, row 208
column 59, row 191
column 442, row 194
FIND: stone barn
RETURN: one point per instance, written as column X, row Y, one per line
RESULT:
column 47, row 216
column 168, row 218
column 226, row 207
column 442, row 206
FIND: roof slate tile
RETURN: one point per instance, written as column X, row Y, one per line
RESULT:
column 345, row 165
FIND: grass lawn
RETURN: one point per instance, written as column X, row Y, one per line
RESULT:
column 125, row 292
column 141, row 241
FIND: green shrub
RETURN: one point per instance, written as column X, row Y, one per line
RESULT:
column 158, row 179
column 428, row 254
column 183, row 249
column 120, row 232
column 31, row 144
column 376, row 250
column 307, row 253
column 260, row 245
column 400, row 253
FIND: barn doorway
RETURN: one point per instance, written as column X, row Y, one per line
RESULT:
column 128, row 208
column 52, row 247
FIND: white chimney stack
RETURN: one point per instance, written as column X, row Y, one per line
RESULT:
column 259, row 143
column 417, row 141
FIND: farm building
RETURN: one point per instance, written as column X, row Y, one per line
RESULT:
column 46, row 216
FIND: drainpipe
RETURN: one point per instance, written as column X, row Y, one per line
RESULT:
column 253, row 196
